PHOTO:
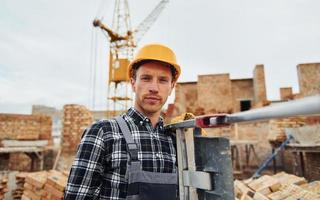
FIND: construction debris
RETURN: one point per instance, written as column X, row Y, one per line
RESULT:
column 281, row 186
column 47, row 185
column 75, row 119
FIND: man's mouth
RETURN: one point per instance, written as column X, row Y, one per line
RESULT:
column 152, row 98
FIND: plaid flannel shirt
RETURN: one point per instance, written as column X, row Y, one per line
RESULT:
column 99, row 168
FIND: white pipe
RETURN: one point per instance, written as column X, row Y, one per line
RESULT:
column 305, row 106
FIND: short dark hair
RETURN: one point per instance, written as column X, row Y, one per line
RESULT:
column 136, row 66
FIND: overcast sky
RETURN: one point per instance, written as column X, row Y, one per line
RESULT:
column 45, row 45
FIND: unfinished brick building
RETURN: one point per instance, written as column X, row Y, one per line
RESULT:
column 217, row 93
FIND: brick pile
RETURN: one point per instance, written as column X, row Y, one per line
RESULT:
column 55, row 185
column 277, row 127
column 34, row 185
column 25, row 127
column 75, row 119
column 3, row 187
column 281, row 186
column 20, row 180
column 44, row 185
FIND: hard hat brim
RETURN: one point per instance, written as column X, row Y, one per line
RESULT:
column 174, row 65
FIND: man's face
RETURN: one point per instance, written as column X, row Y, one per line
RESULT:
column 152, row 85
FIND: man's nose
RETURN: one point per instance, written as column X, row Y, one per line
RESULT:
column 154, row 86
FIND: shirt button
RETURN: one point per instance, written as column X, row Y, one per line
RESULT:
column 141, row 122
column 158, row 155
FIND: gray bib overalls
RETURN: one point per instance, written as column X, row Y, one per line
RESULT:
column 144, row 185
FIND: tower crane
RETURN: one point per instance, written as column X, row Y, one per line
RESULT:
column 123, row 40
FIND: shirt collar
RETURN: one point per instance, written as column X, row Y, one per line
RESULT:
column 140, row 118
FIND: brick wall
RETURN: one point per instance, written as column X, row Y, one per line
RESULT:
column 186, row 97
column 256, row 131
column 312, row 166
column 278, row 126
column 217, row 93
column 214, row 93
column 25, row 127
column 286, row 93
column 309, row 78
column 242, row 89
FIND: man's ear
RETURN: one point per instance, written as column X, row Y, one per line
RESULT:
column 173, row 84
column 133, row 84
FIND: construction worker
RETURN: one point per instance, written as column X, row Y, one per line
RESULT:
column 131, row 156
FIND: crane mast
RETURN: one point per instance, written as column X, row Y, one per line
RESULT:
column 123, row 41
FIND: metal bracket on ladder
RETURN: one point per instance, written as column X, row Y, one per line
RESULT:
column 204, row 164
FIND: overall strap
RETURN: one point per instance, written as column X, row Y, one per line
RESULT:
column 131, row 145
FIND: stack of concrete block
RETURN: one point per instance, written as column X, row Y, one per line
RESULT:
column 20, row 180
column 3, row 187
column 25, row 127
column 277, row 127
column 281, row 186
column 76, row 119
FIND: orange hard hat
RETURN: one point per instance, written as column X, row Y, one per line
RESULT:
column 157, row 52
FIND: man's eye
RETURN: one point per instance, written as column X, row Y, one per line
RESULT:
column 145, row 78
column 164, row 80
